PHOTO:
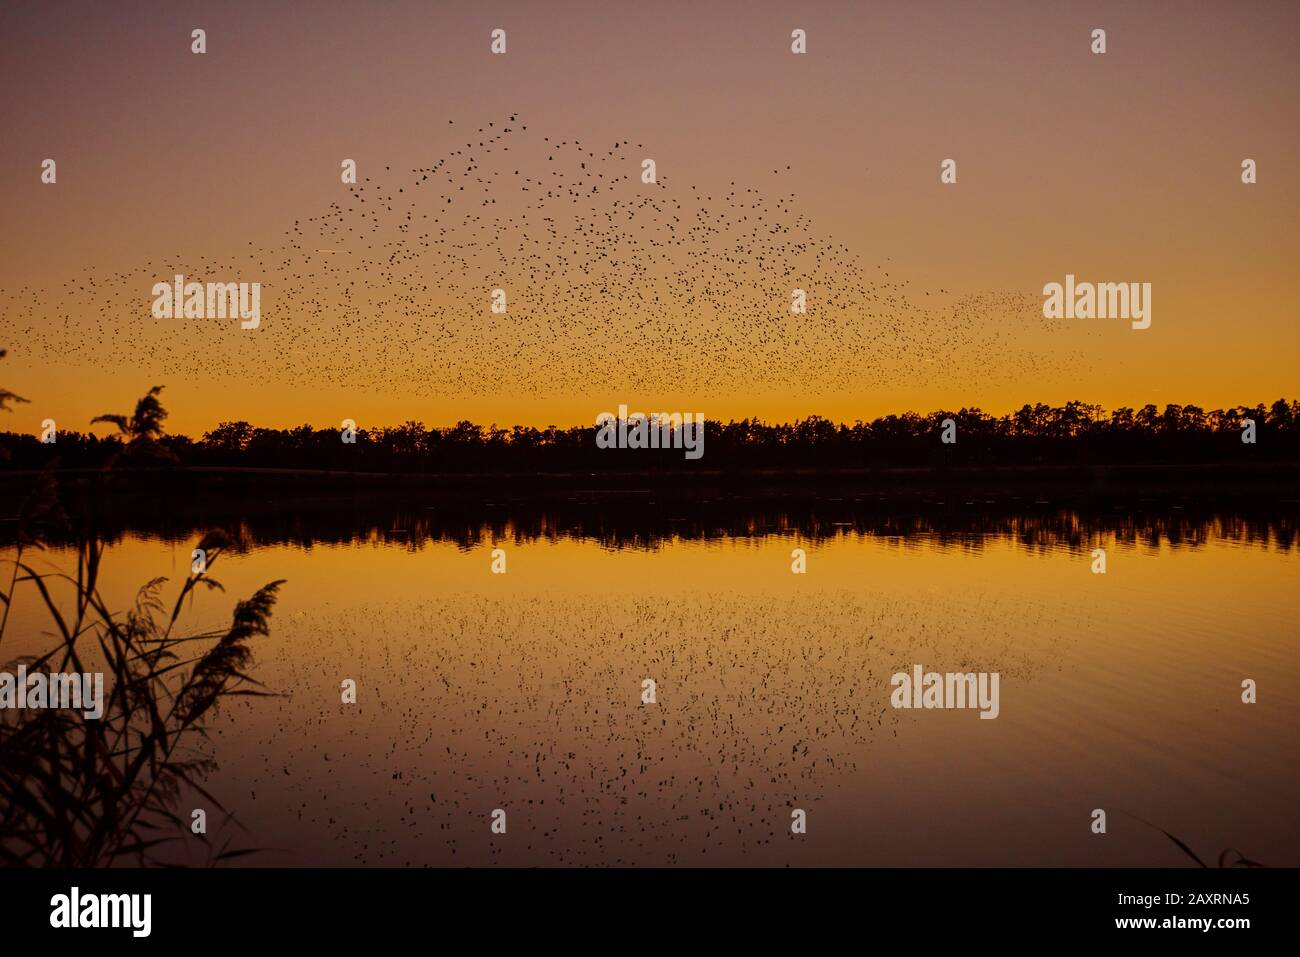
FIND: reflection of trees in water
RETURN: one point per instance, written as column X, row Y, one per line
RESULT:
column 647, row 524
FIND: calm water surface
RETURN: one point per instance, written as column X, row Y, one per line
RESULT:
column 523, row 691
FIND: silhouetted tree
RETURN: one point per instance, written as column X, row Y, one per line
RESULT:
column 143, row 430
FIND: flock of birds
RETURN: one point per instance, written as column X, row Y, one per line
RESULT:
column 613, row 286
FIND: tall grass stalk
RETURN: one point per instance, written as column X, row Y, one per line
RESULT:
column 82, row 792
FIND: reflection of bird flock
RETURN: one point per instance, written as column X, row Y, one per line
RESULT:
column 764, row 704
column 611, row 283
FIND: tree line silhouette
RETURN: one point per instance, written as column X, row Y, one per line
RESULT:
column 1076, row 433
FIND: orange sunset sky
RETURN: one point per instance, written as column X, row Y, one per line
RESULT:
column 522, row 172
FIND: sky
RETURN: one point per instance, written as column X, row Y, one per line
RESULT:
column 775, row 171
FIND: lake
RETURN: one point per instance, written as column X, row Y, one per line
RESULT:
column 523, row 691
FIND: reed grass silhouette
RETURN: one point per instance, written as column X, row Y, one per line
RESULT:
column 6, row 396
column 1241, row 861
column 83, row 792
